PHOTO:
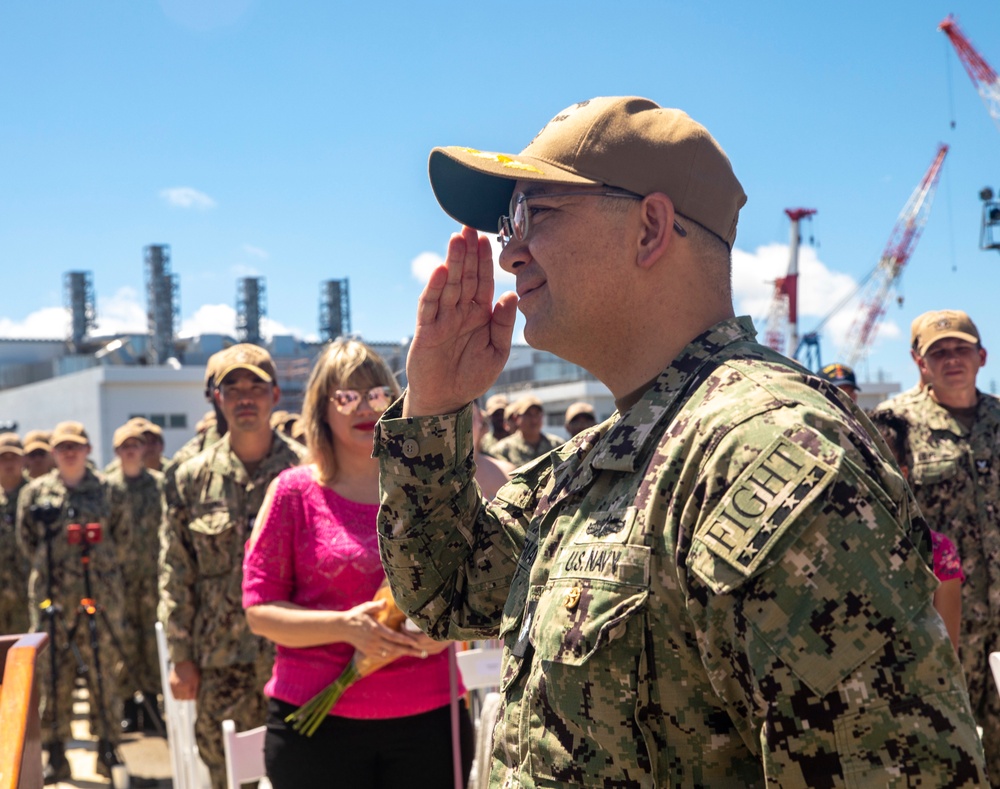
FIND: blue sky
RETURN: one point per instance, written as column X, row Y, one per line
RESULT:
column 290, row 140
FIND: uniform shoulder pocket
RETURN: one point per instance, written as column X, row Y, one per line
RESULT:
column 777, row 493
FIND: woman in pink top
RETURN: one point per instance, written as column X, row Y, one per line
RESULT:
column 310, row 572
column 948, row 595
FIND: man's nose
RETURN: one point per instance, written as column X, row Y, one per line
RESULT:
column 513, row 256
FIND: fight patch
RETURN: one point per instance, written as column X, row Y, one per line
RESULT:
column 764, row 501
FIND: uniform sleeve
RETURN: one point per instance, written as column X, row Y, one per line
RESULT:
column 812, row 599
column 26, row 530
column 120, row 520
column 177, row 574
column 269, row 563
column 448, row 556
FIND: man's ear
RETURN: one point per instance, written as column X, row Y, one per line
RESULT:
column 922, row 365
column 656, row 231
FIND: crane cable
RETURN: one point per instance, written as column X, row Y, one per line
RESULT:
column 947, row 176
column 947, row 72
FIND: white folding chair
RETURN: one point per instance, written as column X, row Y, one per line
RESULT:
column 189, row 770
column 480, row 669
column 995, row 665
column 244, row 754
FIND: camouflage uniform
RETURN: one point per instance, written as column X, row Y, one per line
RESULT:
column 211, row 504
column 955, row 474
column 488, row 442
column 725, row 586
column 516, row 451
column 87, row 502
column 13, row 568
column 194, row 446
column 140, row 499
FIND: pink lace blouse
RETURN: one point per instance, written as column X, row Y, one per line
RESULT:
column 320, row 551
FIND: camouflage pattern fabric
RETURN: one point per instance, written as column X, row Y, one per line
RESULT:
column 13, row 568
column 195, row 446
column 232, row 693
column 211, row 505
column 727, row 585
column 487, row 442
column 955, row 475
column 516, row 451
column 88, row 502
column 140, row 499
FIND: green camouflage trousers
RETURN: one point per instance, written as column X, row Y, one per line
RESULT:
column 13, row 610
column 56, row 711
column 976, row 648
column 138, row 638
column 236, row 693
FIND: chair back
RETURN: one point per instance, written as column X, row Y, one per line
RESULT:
column 480, row 667
column 244, row 754
column 995, row 666
column 189, row 770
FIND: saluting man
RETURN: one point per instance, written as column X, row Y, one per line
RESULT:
column 725, row 584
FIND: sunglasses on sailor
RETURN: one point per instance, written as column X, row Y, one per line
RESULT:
column 347, row 401
column 518, row 222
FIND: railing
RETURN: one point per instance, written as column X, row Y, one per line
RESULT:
column 20, row 733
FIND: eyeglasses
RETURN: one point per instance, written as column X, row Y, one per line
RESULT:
column 517, row 224
column 348, row 400
column 255, row 391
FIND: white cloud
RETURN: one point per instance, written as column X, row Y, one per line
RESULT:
column 221, row 319
column 423, row 265
column 256, row 252
column 241, row 270
column 187, row 197
column 271, row 328
column 122, row 313
column 210, row 319
column 821, row 290
column 44, row 324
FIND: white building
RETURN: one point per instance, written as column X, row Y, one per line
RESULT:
column 42, row 382
column 104, row 398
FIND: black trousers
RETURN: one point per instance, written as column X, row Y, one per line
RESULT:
column 388, row 753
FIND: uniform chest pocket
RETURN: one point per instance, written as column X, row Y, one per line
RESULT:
column 934, row 472
column 592, row 593
column 574, row 619
column 217, row 543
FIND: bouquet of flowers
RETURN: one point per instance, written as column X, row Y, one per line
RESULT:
column 307, row 718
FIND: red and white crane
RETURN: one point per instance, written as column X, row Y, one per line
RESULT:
column 982, row 74
column 874, row 289
column 783, row 317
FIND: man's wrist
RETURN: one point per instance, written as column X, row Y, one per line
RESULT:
column 414, row 407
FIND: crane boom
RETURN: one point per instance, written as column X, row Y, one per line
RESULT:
column 982, row 74
column 902, row 242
